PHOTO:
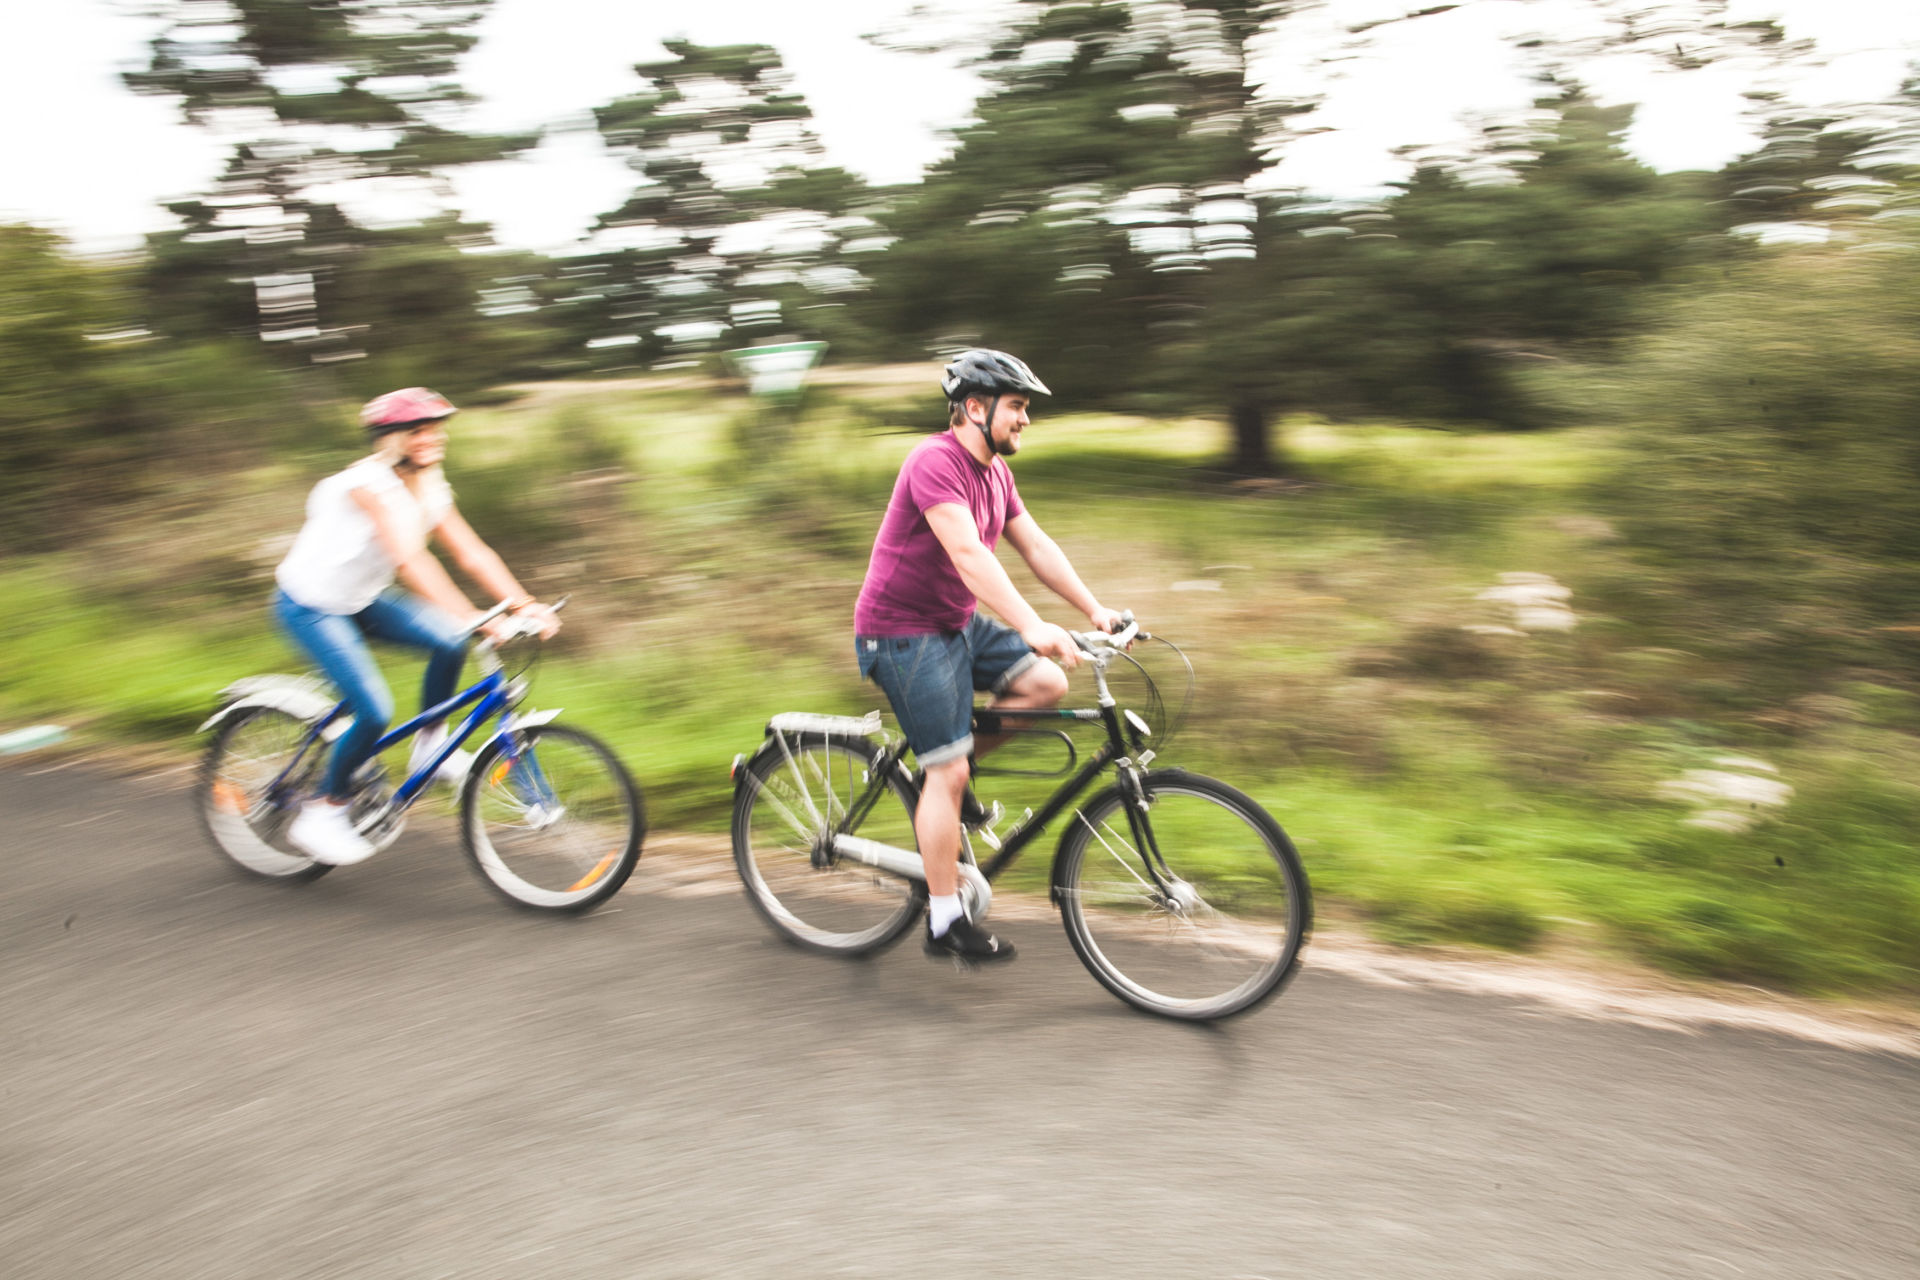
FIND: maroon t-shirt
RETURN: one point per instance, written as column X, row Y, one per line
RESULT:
column 912, row 587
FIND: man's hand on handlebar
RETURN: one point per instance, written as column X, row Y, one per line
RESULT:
column 1050, row 641
column 1109, row 622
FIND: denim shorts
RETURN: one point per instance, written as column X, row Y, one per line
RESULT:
column 930, row 680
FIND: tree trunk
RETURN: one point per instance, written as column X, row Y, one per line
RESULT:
column 1253, row 453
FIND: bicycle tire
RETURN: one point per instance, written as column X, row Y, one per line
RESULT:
column 558, row 829
column 1239, row 922
column 834, row 907
column 251, row 748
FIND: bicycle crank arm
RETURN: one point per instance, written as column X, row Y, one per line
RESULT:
column 976, row 894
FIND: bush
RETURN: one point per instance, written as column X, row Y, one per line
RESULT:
column 1767, row 489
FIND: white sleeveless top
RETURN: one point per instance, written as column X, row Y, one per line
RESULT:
column 336, row 564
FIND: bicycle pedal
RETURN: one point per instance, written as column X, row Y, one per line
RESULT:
column 975, row 816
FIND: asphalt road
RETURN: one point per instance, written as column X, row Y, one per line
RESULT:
column 387, row 1073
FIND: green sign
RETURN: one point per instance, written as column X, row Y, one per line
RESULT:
column 779, row 369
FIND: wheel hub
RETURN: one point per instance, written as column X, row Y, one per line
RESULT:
column 1182, row 897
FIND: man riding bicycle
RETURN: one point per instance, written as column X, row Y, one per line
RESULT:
column 917, row 631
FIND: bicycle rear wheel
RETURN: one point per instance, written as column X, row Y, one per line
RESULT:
column 246, row 797
column 558, row 828
column 783, row 812
column 1218, row 932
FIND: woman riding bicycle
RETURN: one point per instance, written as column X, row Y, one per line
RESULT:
column 336, row 587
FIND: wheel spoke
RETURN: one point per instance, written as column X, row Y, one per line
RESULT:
column 557, row 827
column 1217, row 936
column 826, row 904
column 244, row 811
column 1124, row 864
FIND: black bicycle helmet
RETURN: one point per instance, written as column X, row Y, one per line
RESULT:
column 990, row 374
column 981, row 372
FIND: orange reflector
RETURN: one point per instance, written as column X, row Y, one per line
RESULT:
column 599, row 870
column 229, row 798
column 500, row 774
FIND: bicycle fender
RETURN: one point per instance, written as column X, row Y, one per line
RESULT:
column 298, row 696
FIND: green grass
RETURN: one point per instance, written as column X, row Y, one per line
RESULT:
column 1443, row 785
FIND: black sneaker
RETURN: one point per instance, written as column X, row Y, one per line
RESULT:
column 973, row 814
column 967, row 942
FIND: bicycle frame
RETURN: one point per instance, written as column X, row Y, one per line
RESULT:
column 1113, row 752
column 492, row 692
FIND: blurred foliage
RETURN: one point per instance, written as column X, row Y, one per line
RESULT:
column 737, row 228
column 1105, row 186
column 329, row 100
column 1770, row 485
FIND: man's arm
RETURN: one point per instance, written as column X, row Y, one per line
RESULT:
column 1050, row 564
column 984, row 576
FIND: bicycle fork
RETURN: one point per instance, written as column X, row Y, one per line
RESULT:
column 1174, row 892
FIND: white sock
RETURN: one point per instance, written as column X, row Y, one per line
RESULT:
column 942, row 910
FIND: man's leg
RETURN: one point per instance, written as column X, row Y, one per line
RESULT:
column 936, row 825
column 1039, row 685
column 928, row 681
column 1015, row 676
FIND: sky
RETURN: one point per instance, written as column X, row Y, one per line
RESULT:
column 85, row 156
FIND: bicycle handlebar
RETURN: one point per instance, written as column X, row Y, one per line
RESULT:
column 521, row 628
column 1091, row 641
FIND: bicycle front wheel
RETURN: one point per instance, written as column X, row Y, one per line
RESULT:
column 557, row 828
column 1214, row 929
column 249, row 790
column 784, row 811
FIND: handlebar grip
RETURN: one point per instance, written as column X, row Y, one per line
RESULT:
column 1089, row 640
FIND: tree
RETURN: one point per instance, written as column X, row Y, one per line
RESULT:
column 1109, row 185
column 737, row 224
column 335, row 106
column 1467, row 284
column 1097, row 215
column 50, row 397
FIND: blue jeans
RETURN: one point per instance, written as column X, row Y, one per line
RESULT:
column 930, row 680
column 336, row 643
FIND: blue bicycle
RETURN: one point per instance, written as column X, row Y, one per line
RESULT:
column 549, row 816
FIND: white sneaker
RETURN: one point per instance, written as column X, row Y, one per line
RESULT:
column 323, row 831
column 426, row 744
column 539, row 817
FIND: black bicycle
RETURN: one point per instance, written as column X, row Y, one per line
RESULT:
column 1180, row 894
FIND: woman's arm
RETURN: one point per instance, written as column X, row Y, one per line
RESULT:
column 485, row 566
column 414, row 563
column 480, row 561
